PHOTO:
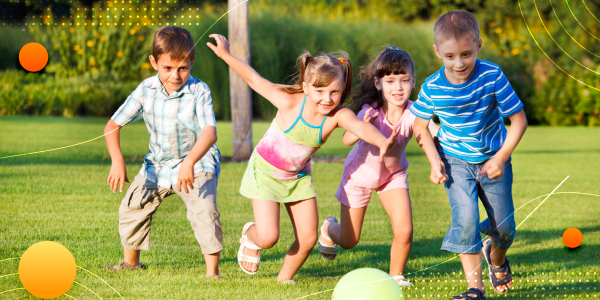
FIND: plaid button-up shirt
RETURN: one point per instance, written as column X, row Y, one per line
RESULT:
column 174, row 122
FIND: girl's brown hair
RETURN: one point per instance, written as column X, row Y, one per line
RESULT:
column 325, row 68
column 392, row 60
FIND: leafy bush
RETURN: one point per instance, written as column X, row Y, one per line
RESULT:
column 273, row 55
column 47, row 95
column 281, row 30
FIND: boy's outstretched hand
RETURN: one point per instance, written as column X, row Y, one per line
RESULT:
column 222, row 47
column 438, row 175
column 494, row 168
column 389, row 143
column 116, row 176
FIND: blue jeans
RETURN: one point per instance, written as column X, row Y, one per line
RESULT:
column 464, row 186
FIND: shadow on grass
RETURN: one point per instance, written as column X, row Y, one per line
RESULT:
column 557, row 151
column 555, row 291
column 536, row 236
column 377, row 256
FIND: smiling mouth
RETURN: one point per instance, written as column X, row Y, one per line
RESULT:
column 460, row 71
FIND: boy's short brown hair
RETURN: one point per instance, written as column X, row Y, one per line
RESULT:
column 456, row 24
column 175, row 41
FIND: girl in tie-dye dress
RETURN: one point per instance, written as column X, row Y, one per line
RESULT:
column 279, row 169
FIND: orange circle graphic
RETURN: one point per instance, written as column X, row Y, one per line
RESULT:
column 572, row 238
column 47, row 270
column 33, row 57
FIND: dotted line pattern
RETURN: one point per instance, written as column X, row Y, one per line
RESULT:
column 123, row 10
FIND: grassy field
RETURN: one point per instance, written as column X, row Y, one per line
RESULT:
column 62, row 196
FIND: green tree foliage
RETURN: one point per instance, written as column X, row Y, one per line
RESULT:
column 549, row 50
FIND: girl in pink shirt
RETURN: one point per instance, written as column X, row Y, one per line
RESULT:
column 382, row 99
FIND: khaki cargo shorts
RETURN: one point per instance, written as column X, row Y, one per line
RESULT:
column 143, row 198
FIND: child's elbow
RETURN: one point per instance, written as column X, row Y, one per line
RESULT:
column 110, row 126
column 213, row 137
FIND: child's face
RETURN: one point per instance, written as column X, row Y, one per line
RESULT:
column 324, row 99
column 174, row 71
column 459, row 57
column 395, row 88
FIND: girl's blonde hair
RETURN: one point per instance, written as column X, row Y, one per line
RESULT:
column 325, row 68
column 392, row 60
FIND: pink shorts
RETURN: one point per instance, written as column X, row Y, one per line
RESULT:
column 352, row 194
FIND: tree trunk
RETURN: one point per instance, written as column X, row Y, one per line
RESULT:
column 241, row 94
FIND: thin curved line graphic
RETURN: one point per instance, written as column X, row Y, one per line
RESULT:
column 589, row 10
column 103, row 281
column 563, row 50
column 87, row 289
column 65, row 294
column 12, row 290
column 10, row 259
column 538, row 197
column 538, row 44
column 563, row 27
column 22, row 154
column 9, row 275
column 456, row 256
column 567, row 1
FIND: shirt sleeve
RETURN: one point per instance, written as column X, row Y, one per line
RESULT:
column 131, row 110
column 423, row 107
column 508, row 101
column 412, row 118
column 204, row 108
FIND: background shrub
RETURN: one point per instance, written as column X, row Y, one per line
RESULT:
column 558, row 86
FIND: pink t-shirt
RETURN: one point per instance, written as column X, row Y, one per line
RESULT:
column 363, row 165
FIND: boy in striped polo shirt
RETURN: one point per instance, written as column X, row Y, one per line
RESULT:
column 471, row 97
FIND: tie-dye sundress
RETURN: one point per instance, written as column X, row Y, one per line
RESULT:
column 279, row 168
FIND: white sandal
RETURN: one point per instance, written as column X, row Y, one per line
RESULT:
column 403, row 281
column 324, row 249
column 246, row 243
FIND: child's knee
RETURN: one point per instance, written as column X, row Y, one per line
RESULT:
column 349, row 243
column 506, row 234
column 307, row 241
column 267, row 240
column 205, row 209
column 403, row 233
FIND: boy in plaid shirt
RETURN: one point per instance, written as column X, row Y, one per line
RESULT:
column 183, row 158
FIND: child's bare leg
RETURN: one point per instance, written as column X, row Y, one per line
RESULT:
column 132, row 257
column 397, row 204
column 471, row 263
column 347, row 233
column 305, row 219
column 497, row 257
column 212, row 263
column 265, row 232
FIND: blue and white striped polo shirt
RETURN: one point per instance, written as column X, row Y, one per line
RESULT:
column 471, row 113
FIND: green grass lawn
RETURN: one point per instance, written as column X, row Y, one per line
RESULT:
column 62, row 196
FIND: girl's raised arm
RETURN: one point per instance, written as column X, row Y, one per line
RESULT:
column 366, row 131
column 256, row 82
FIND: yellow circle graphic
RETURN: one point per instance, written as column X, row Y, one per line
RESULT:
column 47, row 270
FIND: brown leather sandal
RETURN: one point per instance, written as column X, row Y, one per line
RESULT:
column 122, row 265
